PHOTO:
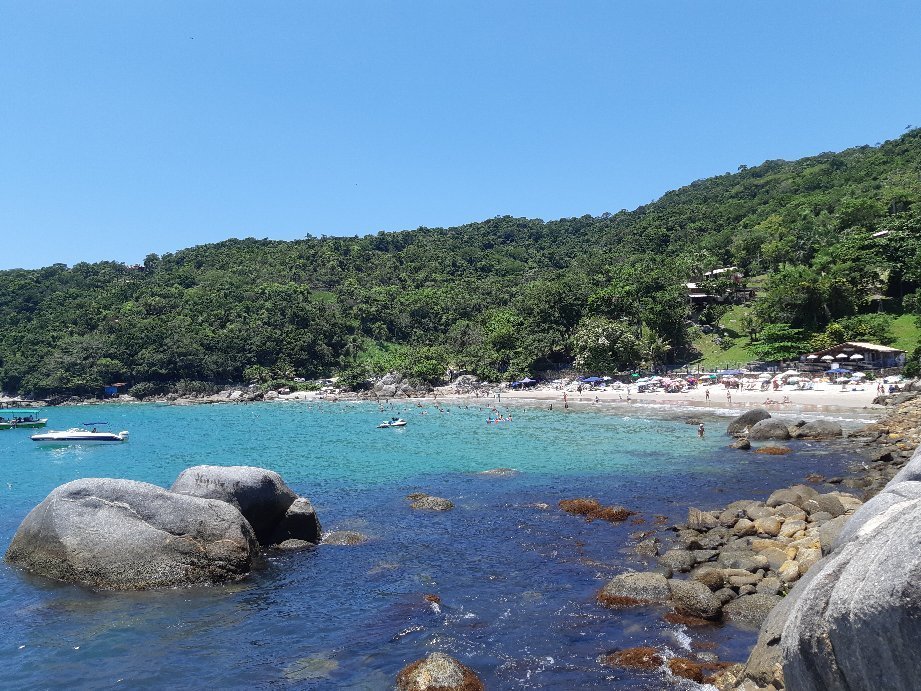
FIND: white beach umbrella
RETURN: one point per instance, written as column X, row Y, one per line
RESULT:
column 790, row 373
column 827, row 358
column 764, row 375
column 859, row 375
column 856, row 356
column 841, row 356
column 812, row 357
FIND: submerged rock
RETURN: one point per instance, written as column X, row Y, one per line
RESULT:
column 438, row 672
column 127, row 535
column 430, row 503
column 641, row 658
column 346, row 538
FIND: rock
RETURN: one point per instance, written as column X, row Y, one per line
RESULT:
column 437, row 672
column 127, row 535
column 774, row 450
column 745, row 527
column 629, row 589
column 790, row 512
column 694, row 599
column 744, row 560
column 725, row 595
column 769, row 525
column 911, row 471
column 790, row 528
column 819, row 429
column 647, row 548
column 704, row 555
column 678, row 560
column 429, row 503
column 344, row 538
column 756, row 512
column 747, row 420
column 769, row 586
column 775, row 557
column 300, row 522
column 857, row 622
column 260, row 495
column 294, row 545
column 642, row 658
column 877, row 508
column 751, row 610
column 829, row 532
column 742, row 444
column 710, row 576
column 701, row 520
column 788, row 572
column 747, row 579
column 687, row 669
column 786, row 496
column 828, row 503
column 769, row 429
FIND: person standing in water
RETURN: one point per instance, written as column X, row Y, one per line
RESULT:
column 700, row 430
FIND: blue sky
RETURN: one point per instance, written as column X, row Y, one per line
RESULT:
column 135, row 127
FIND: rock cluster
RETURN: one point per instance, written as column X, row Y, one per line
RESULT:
column 852, row 620
column 739, row 560
column 125, row 535
column 759, row 425
column 394, row 385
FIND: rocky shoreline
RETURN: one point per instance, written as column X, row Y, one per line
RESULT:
column 739, row 563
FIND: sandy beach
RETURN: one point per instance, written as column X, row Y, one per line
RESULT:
column 828, row 397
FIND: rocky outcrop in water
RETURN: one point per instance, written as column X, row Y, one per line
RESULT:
column 273, row 509
column 127, row 535
column 438, row 672
column 747, row 420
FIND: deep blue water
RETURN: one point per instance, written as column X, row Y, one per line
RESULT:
column 516, row 580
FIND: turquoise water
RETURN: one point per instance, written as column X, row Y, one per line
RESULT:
column 516, row 576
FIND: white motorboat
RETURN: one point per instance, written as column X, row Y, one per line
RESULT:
column 395, row 422
column 78, row 435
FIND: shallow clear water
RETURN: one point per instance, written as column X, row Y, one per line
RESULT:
column 516, row 580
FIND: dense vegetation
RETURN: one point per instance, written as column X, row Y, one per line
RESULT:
column 837, row 238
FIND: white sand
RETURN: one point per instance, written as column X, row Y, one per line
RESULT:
column 827, row 397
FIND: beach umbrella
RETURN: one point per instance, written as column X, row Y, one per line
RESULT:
column 856, row 356
column 859, row 375
column 812, row 357
column 790, row 373
column 606, row 378
column 591, row 380
column 827, row 357
column 635, row 375
column 764, row 375
column 841, row 356
column 838, row 370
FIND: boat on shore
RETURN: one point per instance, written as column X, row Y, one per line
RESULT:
column 79, row 435
column 393, row 422
column 14, row 418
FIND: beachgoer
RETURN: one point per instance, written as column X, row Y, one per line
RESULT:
column 707, row 395
column 728, row 396
column 700, row 430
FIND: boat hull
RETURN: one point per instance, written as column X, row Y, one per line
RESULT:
column 23, row 425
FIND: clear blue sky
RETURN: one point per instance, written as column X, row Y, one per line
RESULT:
column 148, row 126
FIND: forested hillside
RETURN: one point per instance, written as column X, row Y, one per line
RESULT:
column 836, row 239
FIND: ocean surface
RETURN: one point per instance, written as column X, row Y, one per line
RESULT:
column 515, row 575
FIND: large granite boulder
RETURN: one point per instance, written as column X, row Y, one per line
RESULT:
column 911, row 470
column 747, row 420
column 774, row 429
column 857, row 623
column 877, row 508
column 819, row 429
column 127, row 535
column 272, row 508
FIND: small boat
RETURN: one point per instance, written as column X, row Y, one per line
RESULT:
column 79, row 435
column 14, row 418
column 394, row 422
